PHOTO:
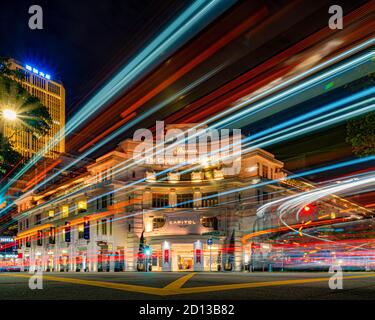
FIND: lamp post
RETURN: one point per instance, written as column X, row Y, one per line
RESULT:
column 8, row 115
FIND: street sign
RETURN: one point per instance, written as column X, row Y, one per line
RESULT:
column 209, row 241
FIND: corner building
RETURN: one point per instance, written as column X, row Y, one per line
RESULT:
column 99, row 220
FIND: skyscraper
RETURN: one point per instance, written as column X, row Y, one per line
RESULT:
column 52, row 94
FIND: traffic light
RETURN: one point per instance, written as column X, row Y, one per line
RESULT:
column 308, row 211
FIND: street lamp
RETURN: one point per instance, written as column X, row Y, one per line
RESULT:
column 147, row 251
column 9, row 114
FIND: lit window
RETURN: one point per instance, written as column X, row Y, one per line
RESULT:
column 210, row 222
column 210, row 199
column 158, row 222
column 81, row 206
column 81, row 230
column 51, row 213
column 65, row 211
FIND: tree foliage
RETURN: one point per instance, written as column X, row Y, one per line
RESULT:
column 361, row 135
column 32, row 115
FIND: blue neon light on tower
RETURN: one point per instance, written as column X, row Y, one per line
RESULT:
column 36, row 71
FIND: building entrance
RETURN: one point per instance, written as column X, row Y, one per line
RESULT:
column 183, row 257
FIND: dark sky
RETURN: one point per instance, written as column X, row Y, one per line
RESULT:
column 82, row 41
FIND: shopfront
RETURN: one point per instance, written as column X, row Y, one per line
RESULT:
column 185, row 255
column 81, row 259
column 64, row 261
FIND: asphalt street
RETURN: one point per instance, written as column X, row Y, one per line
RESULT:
column 200, row 286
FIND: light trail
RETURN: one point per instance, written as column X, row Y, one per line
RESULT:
column 126, row 127
column 296, row 202
column 294, row 133
column 297, row 89
column 198, row 15
column 139, row 180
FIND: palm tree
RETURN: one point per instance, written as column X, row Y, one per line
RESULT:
column 32, row 115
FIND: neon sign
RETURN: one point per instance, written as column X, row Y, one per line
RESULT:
column 36, row 71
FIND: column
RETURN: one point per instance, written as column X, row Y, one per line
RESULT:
column 198, row 256
column 167, row 257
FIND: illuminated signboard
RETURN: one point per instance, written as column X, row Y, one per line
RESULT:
column 38, row 72
column 6, row 239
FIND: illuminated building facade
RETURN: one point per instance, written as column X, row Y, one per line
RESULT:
column 103, row 219
column 52, row 94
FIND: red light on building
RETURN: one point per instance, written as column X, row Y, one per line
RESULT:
column 166, row 256
column 198, row 256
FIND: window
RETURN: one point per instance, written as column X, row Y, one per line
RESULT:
column 158, row 222
column 53, row 88
column 51, row 213
column 210, row 222
column 160, row 200
column 104, row 201
column 38, row 219
column 265, row 172
column 81, row 206
column 66, row 232
column 210, row 199
column 65, row 211
column 27, row 223
column 52, row 235
column 110, row 226
column 39, row 239
column 81, row 231
column 104, row 227
column 258, row 196
column 185, row 200
column 86, row 229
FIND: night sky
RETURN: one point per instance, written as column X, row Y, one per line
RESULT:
column 83, row 41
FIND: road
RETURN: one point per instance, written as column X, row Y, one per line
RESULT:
column 204, row 286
